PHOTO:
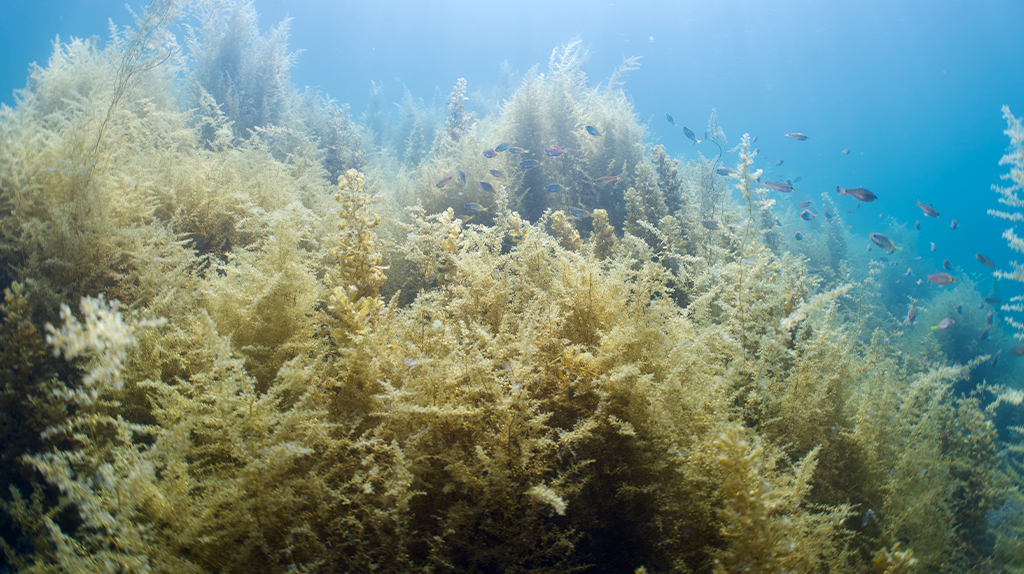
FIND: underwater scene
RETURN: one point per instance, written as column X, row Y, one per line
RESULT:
column 535, row 287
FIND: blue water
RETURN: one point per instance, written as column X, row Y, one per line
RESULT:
column 912, row 88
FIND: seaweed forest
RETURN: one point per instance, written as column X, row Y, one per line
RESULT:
column 244, row 330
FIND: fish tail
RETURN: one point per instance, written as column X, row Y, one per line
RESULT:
column 935, row 328
column 898, row 249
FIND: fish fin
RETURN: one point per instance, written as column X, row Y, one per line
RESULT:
column 898, row 249
column 935, row 328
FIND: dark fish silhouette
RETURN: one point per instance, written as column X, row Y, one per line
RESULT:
column 592, row 131
column 689, row 133
column 670, row 120
column 985, row 260
column 859, row 193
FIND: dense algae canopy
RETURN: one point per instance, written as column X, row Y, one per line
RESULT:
column 329, row 353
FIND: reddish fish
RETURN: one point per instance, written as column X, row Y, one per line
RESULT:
column 927, row 209
column 858, row 192
column 608, row 180
column 797, row 136
column 942, row 278
column 445, row 181
column 780, row 186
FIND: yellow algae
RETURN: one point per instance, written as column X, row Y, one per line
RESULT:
column 354, row 371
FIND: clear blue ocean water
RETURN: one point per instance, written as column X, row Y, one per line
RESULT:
column 913, row 89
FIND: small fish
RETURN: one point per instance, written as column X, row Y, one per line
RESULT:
column 985, row 260
column 845, row 151
column 608, row 180
column 933, row 245
column 465, row 218
column 806, row 215
column 689, row 133
column 502, row 147
column 917, row 225
column 725, row 171
column 859, row 193
column 529, row 164
column 445, row 181
column 487, row 187
column 985, row 333
column 1017, row 350
column 988, row 318
column 920, row 282
column 475, row 207
column 981, row 305
column 927, row 209
column 947, row 264
column 869, row 248
column 778, row 163
column 754, row 141
column 496, row 173
column 780, row 186
column 960, row 309
column 909, row 272
column 911, row 315
column 941, row 278
column 670, row 120
column 798, row 179
column 517, row 150
column 944, row 324
column 757, row 150
column 797, row 136
column 710, row 224
column 993, row 301
column 828, row 214
column 884, row 242
column 554, row 151
column 995, row 360
column 489, row 153
column 799, row 236
column 462, row 176
column 952, row 224
column 592, row 131
column 850, row 211
column 579, row 212
column 867, row 516
column 804, row 204
column 553, row 188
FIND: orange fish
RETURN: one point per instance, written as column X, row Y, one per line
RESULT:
column 608, row 180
